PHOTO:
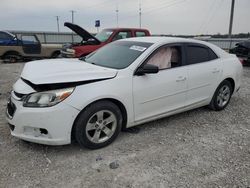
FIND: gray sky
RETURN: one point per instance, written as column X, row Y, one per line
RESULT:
column 159, row 16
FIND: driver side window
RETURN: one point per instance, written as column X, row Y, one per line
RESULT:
column 166, row 57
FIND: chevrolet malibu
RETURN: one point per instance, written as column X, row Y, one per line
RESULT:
column 123, row 84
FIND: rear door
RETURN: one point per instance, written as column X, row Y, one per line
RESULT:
column 204, row 70
column 31, row 44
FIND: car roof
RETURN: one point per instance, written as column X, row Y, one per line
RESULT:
column 166, row 40
column 156, row 40
column 125, row 28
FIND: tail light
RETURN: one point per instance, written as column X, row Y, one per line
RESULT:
column 242, row 61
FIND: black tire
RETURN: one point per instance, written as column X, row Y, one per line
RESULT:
column 216, row 100
column 80, row 132
column 55, row 54
column 11, row 57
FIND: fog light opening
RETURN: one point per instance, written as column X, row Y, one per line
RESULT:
column 43, row 131
column 12, row 127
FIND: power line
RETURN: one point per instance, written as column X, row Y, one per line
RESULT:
column 212, row 10
column 149, row 11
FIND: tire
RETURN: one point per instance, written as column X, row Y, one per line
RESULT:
column 11, row 57
column 91, row 127
column 221, row 96
column 55, row 54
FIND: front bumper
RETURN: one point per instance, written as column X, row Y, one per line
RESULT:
column 50, row 126
column 67, row 54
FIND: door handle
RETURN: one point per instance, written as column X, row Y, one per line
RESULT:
column 181, row 79
column 215, row 70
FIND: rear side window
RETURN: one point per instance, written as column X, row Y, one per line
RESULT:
column 199, row 54
column 140, row 34
column 29, row 39
column 122, row 35
column 212, row 54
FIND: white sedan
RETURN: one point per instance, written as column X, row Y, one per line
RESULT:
column 123, row 84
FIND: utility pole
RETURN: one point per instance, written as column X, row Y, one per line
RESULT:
column 57, row 20
column 72, row 17
column 140, row 14
column 231, row 22
column 117, row 16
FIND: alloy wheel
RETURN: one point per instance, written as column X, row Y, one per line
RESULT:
column 223, row 96
column 101, row 126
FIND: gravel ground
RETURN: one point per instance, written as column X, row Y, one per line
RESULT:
column 199, row 148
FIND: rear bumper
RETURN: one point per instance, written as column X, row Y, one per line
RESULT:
column 50, row 126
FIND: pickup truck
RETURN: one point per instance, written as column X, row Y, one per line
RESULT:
column 25, row 47
column 91, row 43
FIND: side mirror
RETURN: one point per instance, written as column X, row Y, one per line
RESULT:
column 147, row 69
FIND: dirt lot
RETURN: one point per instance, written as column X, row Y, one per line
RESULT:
column 199, row 148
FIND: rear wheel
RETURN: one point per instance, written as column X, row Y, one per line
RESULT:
column 98, row 125
column 221, row 96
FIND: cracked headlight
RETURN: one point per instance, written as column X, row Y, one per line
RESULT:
column 47, row 98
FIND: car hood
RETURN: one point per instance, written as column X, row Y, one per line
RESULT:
column 86, row 36
column 64, row 71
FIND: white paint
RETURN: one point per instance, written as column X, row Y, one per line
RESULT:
column 145, row 98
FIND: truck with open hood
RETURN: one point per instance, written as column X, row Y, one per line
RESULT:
column 91, row 43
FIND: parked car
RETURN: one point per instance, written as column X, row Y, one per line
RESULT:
column 26, row 46
column 91, row 43
column 242, row 50
column 121, row 85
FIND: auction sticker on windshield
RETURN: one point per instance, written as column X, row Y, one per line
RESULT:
column 138, row 48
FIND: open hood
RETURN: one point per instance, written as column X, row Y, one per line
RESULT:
column 63, row 72
column 86, row 36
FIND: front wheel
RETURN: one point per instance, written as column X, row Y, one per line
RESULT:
column 221, row 96
column 98, row 125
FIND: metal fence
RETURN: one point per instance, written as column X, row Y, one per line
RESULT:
column 67, row 37
column 224, row 43
column 53, row 37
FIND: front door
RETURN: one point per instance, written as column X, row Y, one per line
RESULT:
column 165, row 91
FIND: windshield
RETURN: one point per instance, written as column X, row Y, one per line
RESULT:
column 117, row 55
column 104, row 35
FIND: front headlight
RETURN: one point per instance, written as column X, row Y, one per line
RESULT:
column 47, row 98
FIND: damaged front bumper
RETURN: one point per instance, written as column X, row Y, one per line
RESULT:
column 49, row 125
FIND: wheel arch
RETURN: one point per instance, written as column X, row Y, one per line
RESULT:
column 118, row 103
column 14, row 52
column 55, row 52
column 232, row 82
